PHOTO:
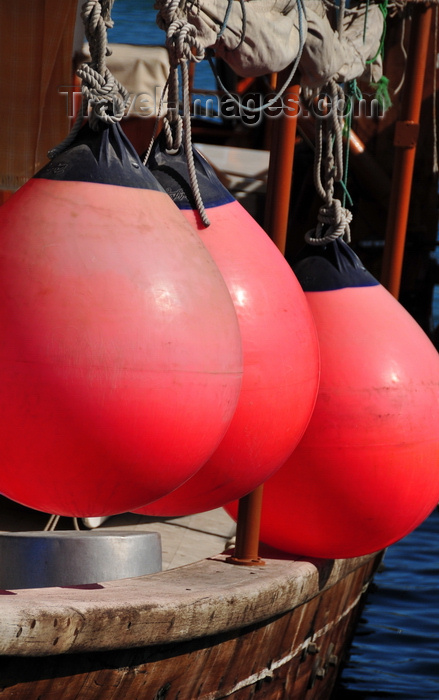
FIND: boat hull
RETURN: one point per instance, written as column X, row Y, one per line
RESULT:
column 209, row 631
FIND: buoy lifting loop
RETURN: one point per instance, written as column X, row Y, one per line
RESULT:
column 333, row 217
column 103, row 96
column 183, row 46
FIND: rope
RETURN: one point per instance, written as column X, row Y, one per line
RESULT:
column 188, row 147
column 226, row 19
column 183, row 46
column 274, row 100
column 340, row 21
column 353, row 93
column 156, row 122
column 333, row 218
column 52, row 523
column 103, row 95
column 404, row 53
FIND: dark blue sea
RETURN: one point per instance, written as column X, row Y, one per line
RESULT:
column 395, row 653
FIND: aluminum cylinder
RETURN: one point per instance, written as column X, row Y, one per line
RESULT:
column 66, row 558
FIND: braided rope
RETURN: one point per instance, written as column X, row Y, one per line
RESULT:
column 173, row 123
column 183, row 46
column 103, row 95
column 188, row 147
column 333, row 218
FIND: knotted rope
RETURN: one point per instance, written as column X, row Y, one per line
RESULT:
column 333, row 218
column 103, row 96
column 183, row 46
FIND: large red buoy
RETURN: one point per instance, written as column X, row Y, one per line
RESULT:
column 120, row 359
column 366, row 471
column 281, row 360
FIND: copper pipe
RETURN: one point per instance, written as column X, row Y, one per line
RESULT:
column 280, row 175
column 406, row 132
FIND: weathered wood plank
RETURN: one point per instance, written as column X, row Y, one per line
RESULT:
column 201, row 599
column 294, row 654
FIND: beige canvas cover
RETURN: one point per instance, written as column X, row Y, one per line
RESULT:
column 342, row 55
column 264, row 36
column 266, row 41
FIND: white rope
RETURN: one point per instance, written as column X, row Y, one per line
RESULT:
column 333, row 218
column 341, row 14
column 183, row 46
column 52, row 523
column 103, row 94
column 188, row 147
column 404, row 53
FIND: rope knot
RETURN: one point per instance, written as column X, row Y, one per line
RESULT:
column 101, row 91
column 333, row 223
column 182, row 42
column 106, row 97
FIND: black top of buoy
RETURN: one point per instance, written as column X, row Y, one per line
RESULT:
column 172, row 173
column 321, row 268
column 105, row 156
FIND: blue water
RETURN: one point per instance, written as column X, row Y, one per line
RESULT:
column 135, row 23
column 395, row 653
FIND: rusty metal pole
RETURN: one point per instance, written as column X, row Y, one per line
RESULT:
column 405, row 140
column 280, row 175
column 247, row 530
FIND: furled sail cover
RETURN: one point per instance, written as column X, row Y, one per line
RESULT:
column 352, row 53
column 262, row 39
column 256, row 37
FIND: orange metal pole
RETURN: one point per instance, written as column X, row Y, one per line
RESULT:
column 280, row 175
column 280, row 171
column 406, row 134
column 247, row 530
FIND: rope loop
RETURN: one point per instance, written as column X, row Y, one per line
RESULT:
column 181, row 36
column 333, row 218
column 333, row 223
column 102, row 93
column 106, row 97
column 183, row 46
column 182, row 42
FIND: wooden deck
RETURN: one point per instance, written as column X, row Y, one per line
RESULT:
column 202, row 628
column 184, row 540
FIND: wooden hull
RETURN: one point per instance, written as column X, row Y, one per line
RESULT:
column 207, row 630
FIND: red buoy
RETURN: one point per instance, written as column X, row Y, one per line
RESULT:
column 365, row 473
column 281, row 360
column 120, row 360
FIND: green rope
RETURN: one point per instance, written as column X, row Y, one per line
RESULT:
column 353, row 93
column 366, row 13
column 384, row 10
column 382, row 86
